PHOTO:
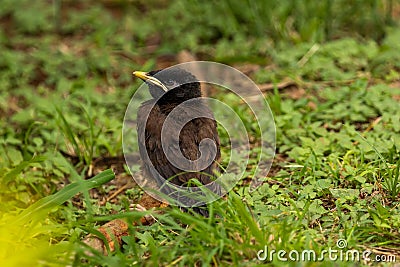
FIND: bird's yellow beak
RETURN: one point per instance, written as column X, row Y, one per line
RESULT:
column 150, row 79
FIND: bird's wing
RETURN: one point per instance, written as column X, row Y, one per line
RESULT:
column 150, row 147
column 189, row 140
column 186, row 144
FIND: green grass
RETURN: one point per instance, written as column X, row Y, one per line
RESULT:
column 65, row 82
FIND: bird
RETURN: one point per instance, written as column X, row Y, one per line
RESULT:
column 176, row 103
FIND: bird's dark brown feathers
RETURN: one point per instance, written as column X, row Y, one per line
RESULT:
column 192, row 133
column 189, row 139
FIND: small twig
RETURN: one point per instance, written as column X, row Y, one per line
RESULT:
column 116, row 193
column 271, row 86
column 148, row 218
column 175, row 261
column 308, row 55
column 373, row 124
column 114, row 230
column 382, row 250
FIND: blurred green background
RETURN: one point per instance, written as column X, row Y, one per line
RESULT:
column 66, row 80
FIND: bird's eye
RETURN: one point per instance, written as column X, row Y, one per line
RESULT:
column 171, row 83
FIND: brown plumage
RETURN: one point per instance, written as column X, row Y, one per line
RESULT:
column 169, row 89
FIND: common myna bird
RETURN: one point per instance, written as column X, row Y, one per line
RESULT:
column 176, row 103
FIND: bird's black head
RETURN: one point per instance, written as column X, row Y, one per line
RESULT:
column 173, row 85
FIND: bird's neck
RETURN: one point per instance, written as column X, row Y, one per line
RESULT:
column 167, row 106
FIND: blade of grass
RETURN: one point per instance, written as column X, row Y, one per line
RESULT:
column 49, row 202
column 91, row 143
column 247, row 218
column 69, row 134
column 9, row 176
